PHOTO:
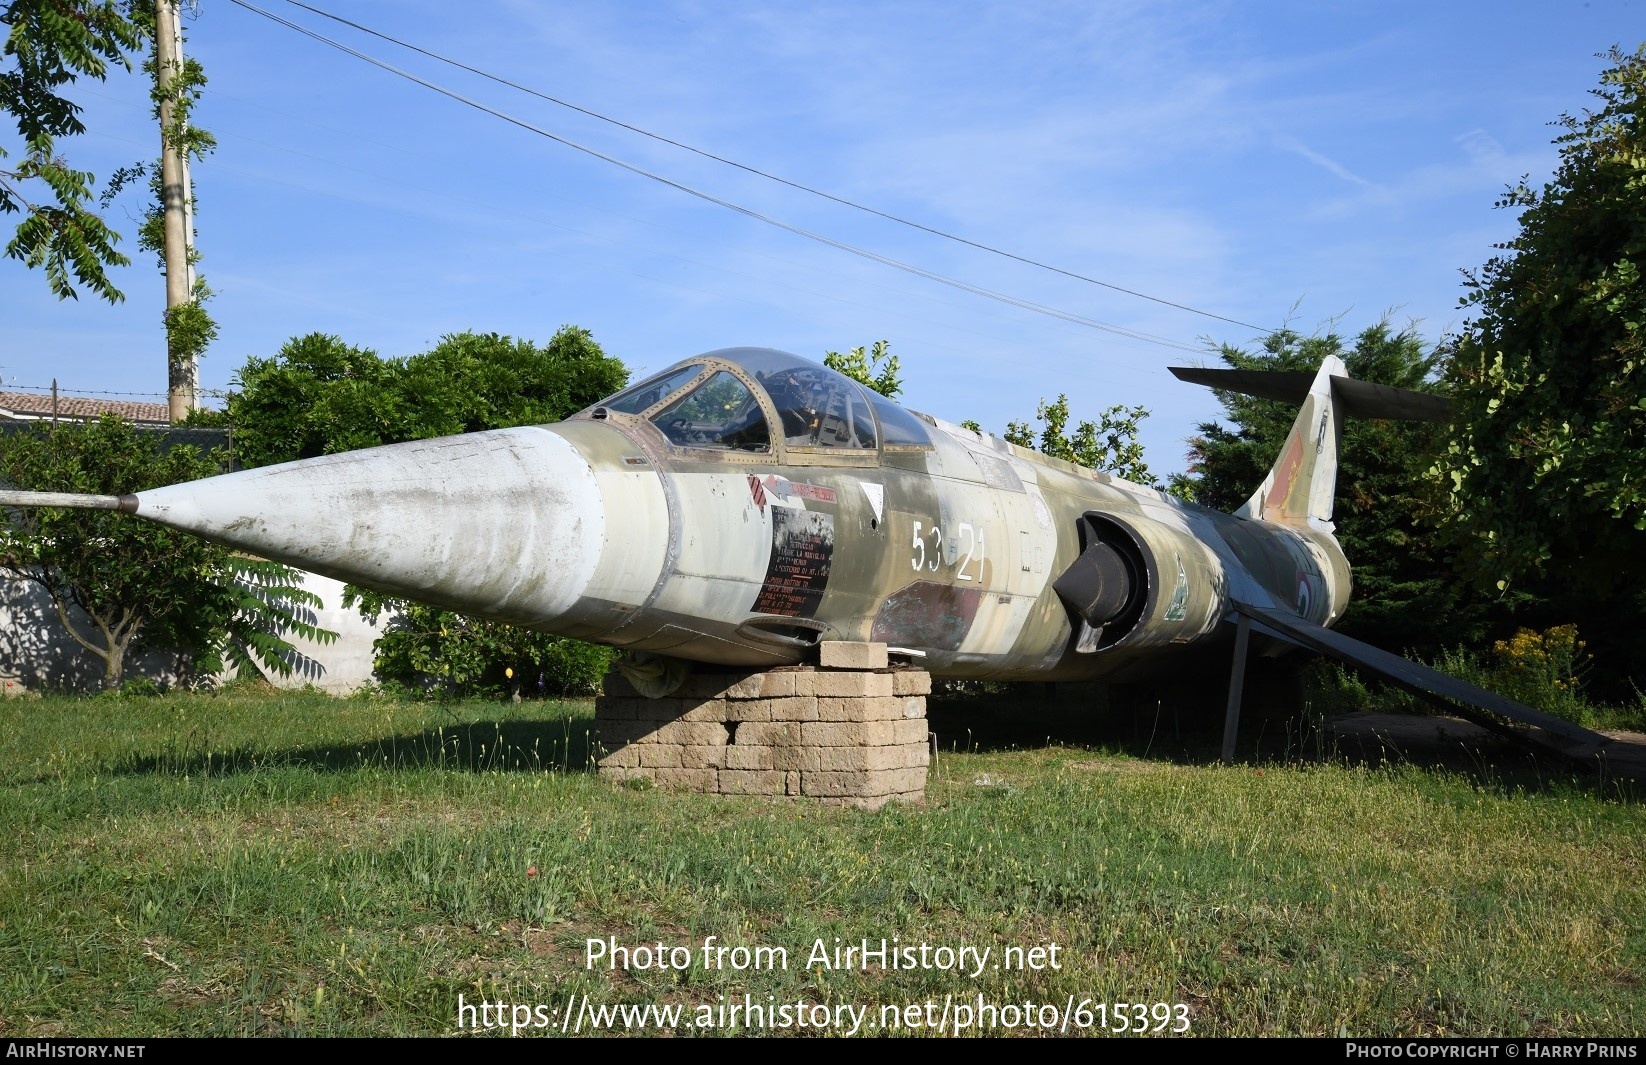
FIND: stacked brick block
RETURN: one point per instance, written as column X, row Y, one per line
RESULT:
column 844, row 735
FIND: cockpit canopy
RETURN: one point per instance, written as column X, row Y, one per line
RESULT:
column 716, row 401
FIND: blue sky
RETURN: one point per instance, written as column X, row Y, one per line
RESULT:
column 1319, row 164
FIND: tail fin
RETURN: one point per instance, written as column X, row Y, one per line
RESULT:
column 1300, row 486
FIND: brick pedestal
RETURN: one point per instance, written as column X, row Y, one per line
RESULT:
column 847, row 736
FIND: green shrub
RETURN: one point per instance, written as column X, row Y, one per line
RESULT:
column 425, row 650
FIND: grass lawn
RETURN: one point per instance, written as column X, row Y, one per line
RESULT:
column 257, row 864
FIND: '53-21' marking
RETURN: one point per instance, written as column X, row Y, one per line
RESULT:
column 968, row 549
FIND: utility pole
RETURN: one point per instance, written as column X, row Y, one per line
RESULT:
column 182, row 368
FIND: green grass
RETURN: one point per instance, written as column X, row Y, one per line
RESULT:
column 291, row 864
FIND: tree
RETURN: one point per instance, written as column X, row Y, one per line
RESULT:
column 139, row 585
column 1549, row 376
column 865, row 367
column 1406, row 596
column 1109, row 444
column 168, row 224
column 319, row 396
column 438, row 650
column 50, row 44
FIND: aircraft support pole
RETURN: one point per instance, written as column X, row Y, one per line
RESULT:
column 1237, row 681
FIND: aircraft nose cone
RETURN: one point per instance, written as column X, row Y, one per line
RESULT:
column 507, row 524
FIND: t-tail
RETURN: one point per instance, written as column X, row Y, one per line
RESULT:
column 1301, row 484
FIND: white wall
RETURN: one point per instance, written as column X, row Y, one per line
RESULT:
column 37, row 654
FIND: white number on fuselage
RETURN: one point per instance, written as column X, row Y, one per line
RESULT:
column 926, row 550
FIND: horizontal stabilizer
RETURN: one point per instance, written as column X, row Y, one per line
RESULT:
column 1477, row 704
column 1359, row 399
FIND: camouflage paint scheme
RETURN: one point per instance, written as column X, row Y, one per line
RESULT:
column 948, row 548
column 744, row 505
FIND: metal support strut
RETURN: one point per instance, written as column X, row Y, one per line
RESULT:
column 1237, row 681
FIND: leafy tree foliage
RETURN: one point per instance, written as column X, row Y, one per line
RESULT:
column 434, row 650
column 1405, row 595
column 138, row 584
column 319, row 396
column 1549, row 376
column 874, row 368
column 50, row 44
column 1109, row 444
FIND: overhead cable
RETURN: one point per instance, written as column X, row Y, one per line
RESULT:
column 727, row 204
column 765, row 174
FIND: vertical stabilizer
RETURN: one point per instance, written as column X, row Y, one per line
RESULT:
column 1298, row 490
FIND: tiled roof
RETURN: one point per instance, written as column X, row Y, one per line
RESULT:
column 32, row 405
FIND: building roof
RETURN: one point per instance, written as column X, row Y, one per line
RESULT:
column 28, row 406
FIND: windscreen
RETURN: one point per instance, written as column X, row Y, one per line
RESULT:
column 719, row 413
column 817, row 406
column 652, row 391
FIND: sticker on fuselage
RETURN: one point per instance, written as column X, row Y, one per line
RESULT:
column 876, row 495
column 1178, row 607
column 782, row 492
column 797, row 573
column 1305, row 594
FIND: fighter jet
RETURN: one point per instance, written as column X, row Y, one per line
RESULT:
column 743, row 506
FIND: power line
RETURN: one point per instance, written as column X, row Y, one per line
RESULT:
column 727, row 204
column 82, row 392
column 765, row 174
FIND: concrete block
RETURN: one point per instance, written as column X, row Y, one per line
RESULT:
column 659, row 755
column 848, row 759
column 741, row 757
column 702, row 684
column 851, row 784
column 911, row 682
column 861, row 708
column 698, row 733
column 617, row 733
column 616, row 684
column 738, row 711
column 910, row 731
column 913, row 706
column 778, row 685
column 846, row 683
column 687, row 779
column 622, row 758
column 846, row 654
column 638, row 708
column 748, row 686
column 791, row 784
column 742, row 710
column 715, row 710
column 613, row 708
column 796, row 759
column 769, row 734
column 793, row 708
column 906, row 781
column 850, row 734
column 869, row 783
column 751, row 782
column 696, row 757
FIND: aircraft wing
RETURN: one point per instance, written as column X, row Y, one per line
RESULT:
column 1485, row 708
